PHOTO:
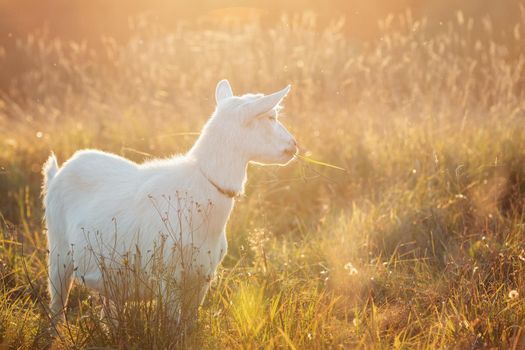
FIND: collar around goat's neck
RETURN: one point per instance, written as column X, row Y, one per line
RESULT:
column 228, row 193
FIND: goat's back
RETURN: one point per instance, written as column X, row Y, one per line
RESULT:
column 91, row 186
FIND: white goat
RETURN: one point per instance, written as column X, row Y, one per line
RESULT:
column 100, row 197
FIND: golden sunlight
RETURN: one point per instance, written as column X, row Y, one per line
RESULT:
column 262, row 174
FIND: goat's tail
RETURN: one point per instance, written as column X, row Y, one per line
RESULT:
column 49, row 171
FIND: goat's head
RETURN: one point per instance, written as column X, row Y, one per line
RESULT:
column 251, row 124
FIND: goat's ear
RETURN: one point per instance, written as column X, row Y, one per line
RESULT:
column 266, row 103
column 223, row 90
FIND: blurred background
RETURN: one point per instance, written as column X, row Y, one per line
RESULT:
column 88, row 21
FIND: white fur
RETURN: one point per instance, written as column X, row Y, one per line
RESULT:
column 100, row 204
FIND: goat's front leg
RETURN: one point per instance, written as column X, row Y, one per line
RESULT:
column 193, row 292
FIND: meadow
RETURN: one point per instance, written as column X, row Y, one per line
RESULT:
column 417, row 243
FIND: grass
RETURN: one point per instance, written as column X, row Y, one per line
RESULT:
column 418, row 244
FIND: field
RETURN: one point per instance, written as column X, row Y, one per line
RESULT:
column 417, row 243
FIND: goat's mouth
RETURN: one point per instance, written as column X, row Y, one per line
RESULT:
column 289, row 155
column 292, row 151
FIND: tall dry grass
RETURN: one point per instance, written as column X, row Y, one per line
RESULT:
column 418, row 244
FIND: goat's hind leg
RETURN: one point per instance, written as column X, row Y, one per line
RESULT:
column 60, row 279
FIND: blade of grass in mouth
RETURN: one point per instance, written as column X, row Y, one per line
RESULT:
column 317, row 162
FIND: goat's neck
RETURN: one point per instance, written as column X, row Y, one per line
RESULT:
column 220, row 163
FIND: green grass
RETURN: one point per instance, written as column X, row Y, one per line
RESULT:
column 418, row 244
